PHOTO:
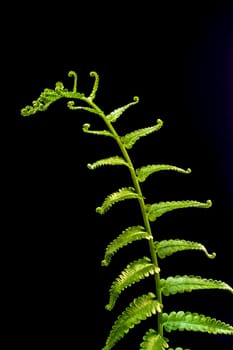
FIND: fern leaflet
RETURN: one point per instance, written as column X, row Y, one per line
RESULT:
column 145, row 171
column 138, row 310
column 129, row 139
column 168, row 247
column 86, row 129
column 158, row 209
column 71, row 105
column 181, row 284
column 114, row 115
column 153, row 341
column 194, row 322
column 134, row 272
column 120, row 195
column 116, row 160
column 95, row 86
column 128, row 236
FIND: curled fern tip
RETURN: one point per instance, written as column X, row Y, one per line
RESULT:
column 72, row 73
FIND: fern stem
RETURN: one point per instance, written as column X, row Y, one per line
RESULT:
column 141, row 203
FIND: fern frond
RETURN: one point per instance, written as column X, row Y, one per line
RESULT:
column 86, row 129
column 116, row 160
column 49, row 96
column 114, row 115
column 168, row 247
column 145, row 171
column 181, row 284
column 129, row 139
column 153, row 341
column 95, row 86
column 120, row 195
column 129, row 235
column 194, row 322
column 158, row 209
column 71, row 105
column 138, row 310
column 134, row 272
column 73, row 74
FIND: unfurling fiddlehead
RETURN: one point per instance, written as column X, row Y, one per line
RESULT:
column 151, row 303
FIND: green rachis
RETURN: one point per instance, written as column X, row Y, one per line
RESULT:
column 151, row 303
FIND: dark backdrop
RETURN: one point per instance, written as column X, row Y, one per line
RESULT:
column 176, row 56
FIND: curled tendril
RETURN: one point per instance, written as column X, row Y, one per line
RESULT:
column 136, row 99
column 28, row 110
column 74, row 74
column 71, row 105
column 86, row 127
column 159, row 123
column 96, row 84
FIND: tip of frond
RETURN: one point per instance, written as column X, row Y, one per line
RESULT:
column 211, row 256
column 72, row 73
column 104, row 262
column 90, row 166
column 159, row 122
column 209, row 203
column 86, row 127
column 93, row 74
column 27, row 111
column 188, row 170
column 100, row 210
column 108, row 307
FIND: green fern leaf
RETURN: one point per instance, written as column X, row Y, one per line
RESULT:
column 194, row 322
column 95, row 86
column 145, row 171
column 153, row 341
column 129, row 139
column 86, row 129
column 181, row 284
column 49, row 96
column 139, row 309
column 120, row 195
column 168, row 247
column 114, row 115
column 71, row 105
column 116, row 160
column 134, row 272
column 158, row 209
column 46, row 98
column 129, row 235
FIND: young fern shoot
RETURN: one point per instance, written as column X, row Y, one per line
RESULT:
column 151, row 303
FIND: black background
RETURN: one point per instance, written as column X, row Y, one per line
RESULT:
column 167, row 54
